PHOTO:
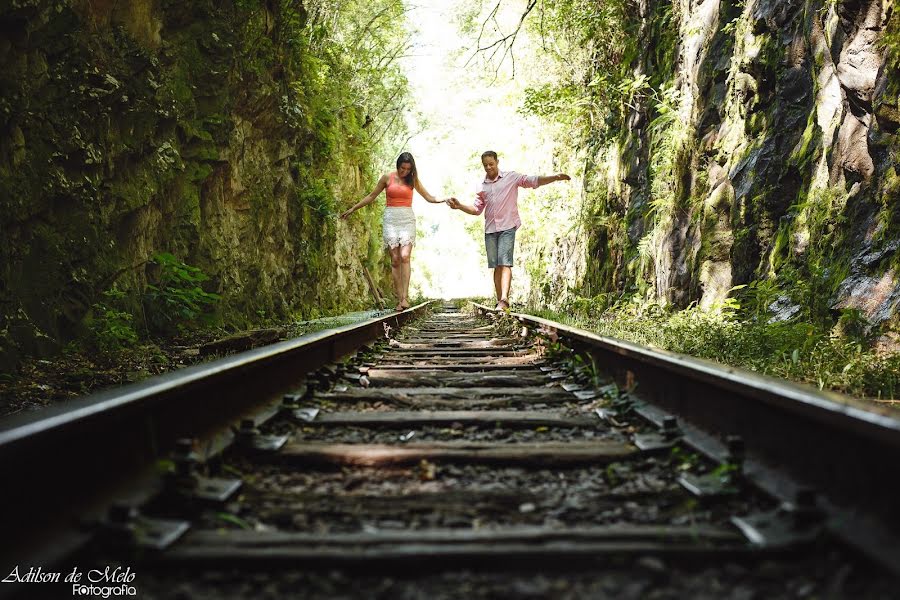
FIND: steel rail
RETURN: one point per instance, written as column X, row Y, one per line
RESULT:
column 794, row 433
column 57, row 463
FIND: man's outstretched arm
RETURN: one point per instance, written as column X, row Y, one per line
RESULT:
column 545, row 179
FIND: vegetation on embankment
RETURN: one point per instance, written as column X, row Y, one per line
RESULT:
column 840, row 360
column 79, row 371
column 730, row 152
column 165, row 165
column 727, row 143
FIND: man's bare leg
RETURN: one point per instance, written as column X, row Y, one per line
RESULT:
column 502, row 283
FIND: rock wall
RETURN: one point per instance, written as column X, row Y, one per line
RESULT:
column 203, row 129
column 763, row 148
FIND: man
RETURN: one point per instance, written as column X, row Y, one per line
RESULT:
column 497, row 197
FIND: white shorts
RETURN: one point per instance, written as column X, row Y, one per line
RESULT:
column 399, row 226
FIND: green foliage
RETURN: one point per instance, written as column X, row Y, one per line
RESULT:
column 608, row 69
column 667, row 138
column 233, row 520
column 837, row 358
column 616, row 474
column 551, row 101
column 105, row 125
column 593, row 306
column 891, row 40
column 318, row 197
column 591, row 45
column 758, row 295
column 175, row 299
column 506, row 325
column 111, row 328
column 811, row 286
column 853, row 326
column 348, row 86
column 726, row 471
column 683, row 460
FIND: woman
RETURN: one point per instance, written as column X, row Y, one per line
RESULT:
column 399, row 226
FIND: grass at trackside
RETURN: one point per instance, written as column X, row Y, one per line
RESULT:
column 796, row 351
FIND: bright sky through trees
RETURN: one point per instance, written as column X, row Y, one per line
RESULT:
column 460, row 112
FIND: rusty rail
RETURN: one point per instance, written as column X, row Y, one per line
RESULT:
column 60, row 463
column 793, row 432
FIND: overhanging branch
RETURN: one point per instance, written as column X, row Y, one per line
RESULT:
column 504, row 43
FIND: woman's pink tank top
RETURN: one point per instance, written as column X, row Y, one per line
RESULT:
column 397, row 192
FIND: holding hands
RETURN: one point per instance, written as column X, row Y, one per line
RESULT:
column 451, row 202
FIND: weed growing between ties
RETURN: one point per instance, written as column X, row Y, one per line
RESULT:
column 841, row 358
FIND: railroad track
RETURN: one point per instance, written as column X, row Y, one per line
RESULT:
column 471, row 455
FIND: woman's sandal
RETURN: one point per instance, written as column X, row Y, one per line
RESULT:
column 502, row 305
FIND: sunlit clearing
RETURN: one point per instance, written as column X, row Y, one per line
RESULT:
column 461, row 112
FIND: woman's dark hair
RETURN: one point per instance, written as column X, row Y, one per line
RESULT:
column 406, row 157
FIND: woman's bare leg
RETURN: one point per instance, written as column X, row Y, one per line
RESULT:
column 405, row 256
column 397, row 274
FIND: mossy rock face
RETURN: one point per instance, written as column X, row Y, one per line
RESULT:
column 795, row 112
column 133, row 128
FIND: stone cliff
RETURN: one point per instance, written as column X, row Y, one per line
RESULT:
column 760, row 148
column 217, row 132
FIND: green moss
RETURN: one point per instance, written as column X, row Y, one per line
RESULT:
column 176, row 89
column 188, row 194
column 197, row 172
column 781, row 248
column 133, row 189
column 807, row 150
column 771, row 52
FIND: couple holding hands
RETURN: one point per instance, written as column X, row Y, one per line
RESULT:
column 497, row 198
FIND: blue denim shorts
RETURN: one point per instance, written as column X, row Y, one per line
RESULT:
column 499, row 246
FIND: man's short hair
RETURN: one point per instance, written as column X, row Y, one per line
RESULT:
column 490, row 153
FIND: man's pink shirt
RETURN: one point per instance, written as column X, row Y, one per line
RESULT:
column 498, row 199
